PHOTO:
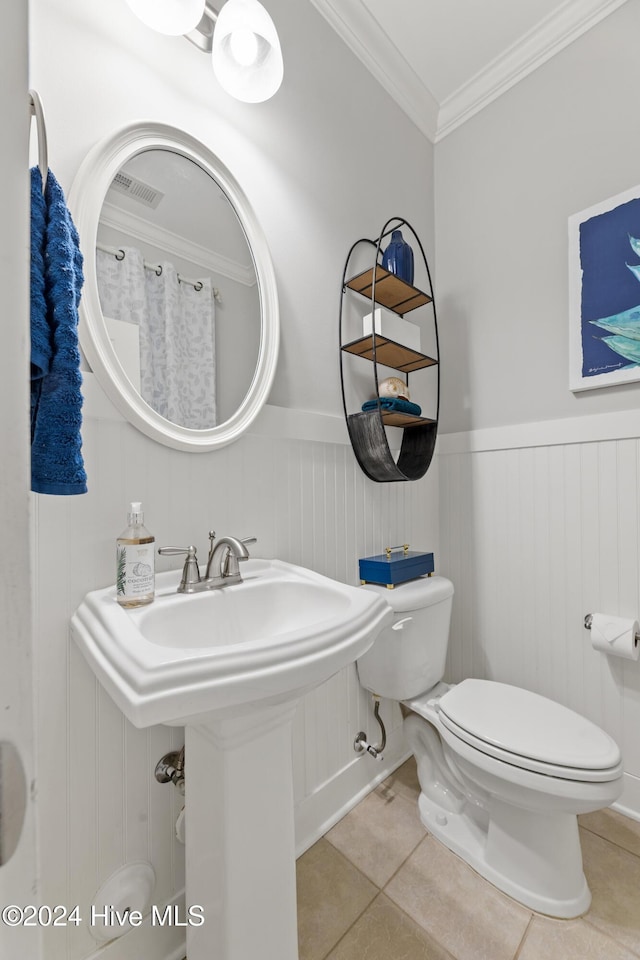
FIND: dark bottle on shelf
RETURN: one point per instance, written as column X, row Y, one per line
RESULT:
column 398, row 257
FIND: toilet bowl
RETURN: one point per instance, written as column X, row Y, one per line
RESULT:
column 503, row 772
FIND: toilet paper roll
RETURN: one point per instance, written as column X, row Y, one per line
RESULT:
column 615, row 636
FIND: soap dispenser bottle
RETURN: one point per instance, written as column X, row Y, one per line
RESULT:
column 135, row 561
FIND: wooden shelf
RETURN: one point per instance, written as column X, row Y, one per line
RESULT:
column 391, row 291
column 391, row 418
column 388, row 353
column 368, row 433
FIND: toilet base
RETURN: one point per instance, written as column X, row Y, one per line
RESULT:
column 550, row 862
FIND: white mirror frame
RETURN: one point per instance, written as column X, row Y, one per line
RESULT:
column 86, row 198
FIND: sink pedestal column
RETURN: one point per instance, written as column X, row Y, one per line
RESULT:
column 240, row 850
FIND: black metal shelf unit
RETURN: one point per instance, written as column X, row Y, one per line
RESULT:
column 367, row 428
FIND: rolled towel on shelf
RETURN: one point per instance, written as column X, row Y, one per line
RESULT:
column 393, row 404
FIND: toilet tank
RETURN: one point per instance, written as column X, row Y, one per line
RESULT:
column 408, row 657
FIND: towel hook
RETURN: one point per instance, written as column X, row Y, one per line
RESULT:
column 37, row 110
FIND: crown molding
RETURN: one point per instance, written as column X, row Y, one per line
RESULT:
column 537, row 46
column 171, row 243
column 364, row 36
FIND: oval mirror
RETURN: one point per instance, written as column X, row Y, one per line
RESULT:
column 179, row 314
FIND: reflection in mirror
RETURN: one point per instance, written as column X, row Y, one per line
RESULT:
column 13, row 799
column 178, row 289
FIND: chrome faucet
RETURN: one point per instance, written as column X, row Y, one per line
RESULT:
column 222, row 563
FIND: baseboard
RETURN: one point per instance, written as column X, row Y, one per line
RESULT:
column 316, row 814
column 629, row 802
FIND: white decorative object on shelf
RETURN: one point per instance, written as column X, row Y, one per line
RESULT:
column 389, row 324
column 394, row 387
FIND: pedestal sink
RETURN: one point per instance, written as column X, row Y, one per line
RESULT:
column 229, row 665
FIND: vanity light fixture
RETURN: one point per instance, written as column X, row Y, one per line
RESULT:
column 172, row 17
column 247, row 59
column 241, row 37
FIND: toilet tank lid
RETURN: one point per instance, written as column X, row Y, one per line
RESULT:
column 529, row 725
column 414, row 594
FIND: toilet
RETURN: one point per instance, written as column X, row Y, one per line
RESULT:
column 503, row 772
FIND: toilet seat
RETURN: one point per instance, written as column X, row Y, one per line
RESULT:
column 527, row 730
column 534, row 766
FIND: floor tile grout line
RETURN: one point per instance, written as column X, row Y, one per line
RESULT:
column 417, row 923
column 408, row 856
column 524, row 937
column 352, row 925
column 364, row 910
column 400, row 866
column 382, row 890
column 534, row 915
column 401, row 910
column 613, row 843
column 352, row 864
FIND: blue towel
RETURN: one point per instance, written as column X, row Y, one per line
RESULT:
column 394, row 404
column 56, row 400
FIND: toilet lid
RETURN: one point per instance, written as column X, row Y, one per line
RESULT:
column 516, row 721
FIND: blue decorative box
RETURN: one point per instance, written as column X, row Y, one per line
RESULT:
column 395, row 565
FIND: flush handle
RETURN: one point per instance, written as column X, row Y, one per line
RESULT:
column 399, row 624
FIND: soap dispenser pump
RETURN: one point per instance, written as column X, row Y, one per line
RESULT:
column 135, row 561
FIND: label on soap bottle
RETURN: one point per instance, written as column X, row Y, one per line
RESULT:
column 135, row 570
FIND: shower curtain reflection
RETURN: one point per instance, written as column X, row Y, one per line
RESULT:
column 176, row 328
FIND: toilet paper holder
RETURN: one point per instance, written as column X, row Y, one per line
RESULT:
column 588, row 620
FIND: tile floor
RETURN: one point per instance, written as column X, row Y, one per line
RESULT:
column 378, row 887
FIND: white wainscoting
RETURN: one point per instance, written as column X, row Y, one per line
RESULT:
column 540, row 525
column 294, row 484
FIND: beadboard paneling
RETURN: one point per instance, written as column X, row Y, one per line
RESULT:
column 307, row 502
column 534, row 538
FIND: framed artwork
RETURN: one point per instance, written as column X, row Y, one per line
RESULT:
column 604, row 293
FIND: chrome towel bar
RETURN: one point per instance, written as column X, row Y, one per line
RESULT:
column 37, row 110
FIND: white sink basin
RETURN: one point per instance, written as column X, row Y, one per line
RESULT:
column 230, row 665
column 281, row 631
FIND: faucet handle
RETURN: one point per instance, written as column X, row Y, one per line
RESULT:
column 190, row 571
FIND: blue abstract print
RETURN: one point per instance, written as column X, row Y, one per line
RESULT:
column 610, row 302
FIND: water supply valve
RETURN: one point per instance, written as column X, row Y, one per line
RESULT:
column 170, row 769
column 360, row 744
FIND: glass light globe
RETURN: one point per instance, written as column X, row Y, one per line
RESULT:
column 172, row 17
column 243, row 46
column 247, row 59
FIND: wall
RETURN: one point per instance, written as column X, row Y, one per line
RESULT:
column 18, row 876
column 313, row 162
column 506, row 183
column 539, row 486
column 540, row 526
